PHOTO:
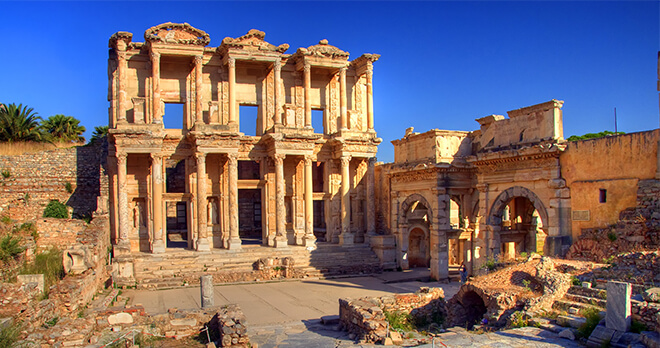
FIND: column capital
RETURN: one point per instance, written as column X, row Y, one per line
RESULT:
column 200, row 157
column 121, row 56
column 308, row 160
column 482, row 188
column 279, row 158
column 345, row 159
column 198, row 60
column 231, row 62
column 232, row 157
column 154, row 55
column 156, row 156
column 307, row 68
column 343, row 70
column 370, row 74
column 371, row 161
column 121, row 157
column 277, row 65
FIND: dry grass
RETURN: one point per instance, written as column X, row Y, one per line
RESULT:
column 20, row 148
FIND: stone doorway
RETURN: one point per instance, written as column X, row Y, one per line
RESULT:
column 319, row 221
column 177, row 224
column 474, row 309
column 418, row 248
column 249, row 216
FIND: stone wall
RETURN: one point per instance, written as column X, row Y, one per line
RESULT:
column 37, row 178
column 365, row 317
column 647, row 312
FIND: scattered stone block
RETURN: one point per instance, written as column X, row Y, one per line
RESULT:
column 396, row 338
column 32, row 281
column 567, row 333
column 618, row 306
column 600, row 337
column 570, row 321
column 120, row 318
column 330, row 320
column 184, row 322
column 206, row 288
column 652, row 295
column 651, row 339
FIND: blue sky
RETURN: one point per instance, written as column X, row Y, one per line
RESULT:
column 443, row 64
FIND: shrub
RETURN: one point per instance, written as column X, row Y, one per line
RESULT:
column 68, row 187
column 56, row 209
column 5, row 219
column 524, row 255
column 490, row 264
column 592, row 314
column 517, row 320
column 399, row 320
column 576, row 281
column 49, row 263
column 611, row 236
column 9, row 335
column 6, row 174
column 10, row 247
column 638, row 327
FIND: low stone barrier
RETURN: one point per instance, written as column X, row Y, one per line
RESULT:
column 647, row 312
column 365, row 317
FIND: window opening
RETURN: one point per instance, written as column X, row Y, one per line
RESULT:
column 317, row 176
column 248, row 170
column 602, row 196
column 248, row 119
column 173, row 117
column 175, row 181
column 317, row 121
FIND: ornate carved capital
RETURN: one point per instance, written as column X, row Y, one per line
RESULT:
column 279, row 159
column 307, row 68
column 121, row 56
column 198, row 60
column 277, row 65
column 483, row 188
column 156, row 158
column 372, row 161
column 201, row 158
column 233, row 159
column 155, row 56
column 121, row 158
column 231, row 62
column 370, row 74
column 345, row 160
column 308, row 160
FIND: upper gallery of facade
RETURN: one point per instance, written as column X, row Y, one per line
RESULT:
column 216, row 84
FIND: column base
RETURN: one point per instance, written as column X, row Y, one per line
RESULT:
column 281, row 242
column 121, row 248
column 309, row 240
column 346, row 239
column 203, row 244
column 158, row 247
column 234, row 244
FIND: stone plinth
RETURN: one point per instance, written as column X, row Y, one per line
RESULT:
column 618, row 306
column 206, row 288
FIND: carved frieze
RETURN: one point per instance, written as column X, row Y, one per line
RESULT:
column 414, row 176
column 177, row 33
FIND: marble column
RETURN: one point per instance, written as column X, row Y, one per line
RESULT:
column 277, row 67
column 199, row 115
column 307, row 72
column 156, row 116
column 123, row 244
column 309, row 204
column 231, row 62
column 202, row 227
column 346, row 237
column 439, row 241
column 234, row 242
column 158, row 242
column 370, row 99
column 122, row 66
column 371, row 198
column 280, row 238
column 343, row 103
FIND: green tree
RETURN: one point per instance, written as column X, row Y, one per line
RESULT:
column 19, row 123
column 65, row 129
column 593, row 135
column 99, row 133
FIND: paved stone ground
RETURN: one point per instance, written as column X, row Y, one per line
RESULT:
column 287, row 314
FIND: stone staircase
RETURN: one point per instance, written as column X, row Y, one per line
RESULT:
column 184, row 267
column 577, row 299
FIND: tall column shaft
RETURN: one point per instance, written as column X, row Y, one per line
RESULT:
column 157, row 116
column 122, row 66
column 158, row 242
column 278, row 91
column 371, row 208
column 231, row 62
column 346, row 236
column 370, row 100
column 280, row 238
column 309, row 204
column 343, row 107
column 202, row 226
column 198, row 90
column 123, row 245
column 307, row 72
column 234, row 241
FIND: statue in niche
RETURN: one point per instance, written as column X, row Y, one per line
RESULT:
column 138, row 215
column 212, row 211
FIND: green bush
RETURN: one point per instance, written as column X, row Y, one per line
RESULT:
column 5, row 219
column 576, row 281
column 611, row 236
column 56, row 209
column 592, row 314
column 68, row 187
column 9, row 335
column 517, row 320
column 6, row 174
column 10, row 247
column 399, row 320
column 49, row 263
column 638, row 327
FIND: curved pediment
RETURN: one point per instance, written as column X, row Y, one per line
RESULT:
column 177, row 33
column 323, row 50
column 252, row 41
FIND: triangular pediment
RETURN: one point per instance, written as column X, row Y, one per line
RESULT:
column 324, row 50
column 177, row 33
column 252, row 41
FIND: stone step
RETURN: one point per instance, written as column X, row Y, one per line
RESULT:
column 570, row 321
column 588, row 292
column 597, row 302
column 566, row 305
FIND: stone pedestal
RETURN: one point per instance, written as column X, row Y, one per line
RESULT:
column 234, row 244
column 280, row 242
column 618, row 306
column 346, row 239
column 206, row 288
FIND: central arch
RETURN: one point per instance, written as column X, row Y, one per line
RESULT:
column 414, row 225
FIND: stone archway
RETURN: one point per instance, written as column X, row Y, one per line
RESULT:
column 496, row 210
column 418, row 248
column 413, row 240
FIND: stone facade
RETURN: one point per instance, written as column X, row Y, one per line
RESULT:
column 217, row 183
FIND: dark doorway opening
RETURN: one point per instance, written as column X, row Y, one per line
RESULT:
column 248, row 170
column 418, row 249
column 175, row 176
column 249, row 216
column 177, row 225
column 319, row 221
column 474, row 309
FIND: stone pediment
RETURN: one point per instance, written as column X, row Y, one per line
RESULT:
column 177, row 33
column 252, row 41
column 323, row 50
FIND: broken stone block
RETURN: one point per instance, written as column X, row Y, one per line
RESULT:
column 396, row 337
column 618, row 306
column 31, row 281
column 652, row 295
column 120, row 318
column 567, row 333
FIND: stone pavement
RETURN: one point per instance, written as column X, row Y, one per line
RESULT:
column 288, row 313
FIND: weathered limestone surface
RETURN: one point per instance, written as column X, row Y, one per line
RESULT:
column 618, row 306
column 206, row 289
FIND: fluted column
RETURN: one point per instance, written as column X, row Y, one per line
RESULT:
column 346, row 237
column 122, row 66
column 307, row 72
column 278, row 92
column 370, row 99
column 231, row 63
column 158, row 242
column 199, row 115
column 280, row 238
column 309, row 204
column 123, row 244
column 234, row 241
column 157, row 116
column 202, row 227
column 343, row 107
column 371, row 208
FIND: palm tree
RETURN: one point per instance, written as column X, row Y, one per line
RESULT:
column 99, row 133
column 19, row 123
column 64, row 129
